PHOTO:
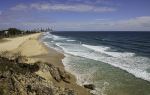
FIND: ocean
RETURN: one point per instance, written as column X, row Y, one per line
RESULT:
column 117, row 63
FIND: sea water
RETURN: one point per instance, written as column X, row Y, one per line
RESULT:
column 117, row 63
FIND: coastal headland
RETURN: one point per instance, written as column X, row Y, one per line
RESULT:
column 28, row 67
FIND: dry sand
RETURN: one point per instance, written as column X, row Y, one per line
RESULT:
column 35, row 50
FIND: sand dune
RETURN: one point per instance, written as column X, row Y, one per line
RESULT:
column 13, row 43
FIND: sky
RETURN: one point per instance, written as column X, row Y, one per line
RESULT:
column 76, row 15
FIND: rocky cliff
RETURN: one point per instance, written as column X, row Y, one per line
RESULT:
column 19, row 78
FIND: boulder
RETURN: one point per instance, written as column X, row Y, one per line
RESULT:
column 54, row 72
column 65, row 77
column 89, row 86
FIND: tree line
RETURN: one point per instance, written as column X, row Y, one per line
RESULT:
column 14, row 32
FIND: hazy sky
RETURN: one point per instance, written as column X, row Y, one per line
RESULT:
column 76, row 14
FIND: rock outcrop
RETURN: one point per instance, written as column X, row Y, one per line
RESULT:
column 89, row 86
column 17, row 78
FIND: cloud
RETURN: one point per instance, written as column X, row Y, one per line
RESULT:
column 26, row 20
column 64, row 7
column 143, row 21
column 90, row 2
column 19, row 7
column 74, row 8
column 0, row 12
column 134, row 24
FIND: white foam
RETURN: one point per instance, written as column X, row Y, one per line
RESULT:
column 58, row 38
column 71, row 40
column 46, row 43
column 47, row 35
column 83, row 75
column 127, row 61
column 135, row 65
column 104, row 49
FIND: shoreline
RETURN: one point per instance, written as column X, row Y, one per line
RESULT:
column 31, row 47
column 80, row 90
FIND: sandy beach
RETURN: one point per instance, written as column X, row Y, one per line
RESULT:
column 34, row 50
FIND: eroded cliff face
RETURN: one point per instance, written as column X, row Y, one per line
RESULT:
column 19, row 78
